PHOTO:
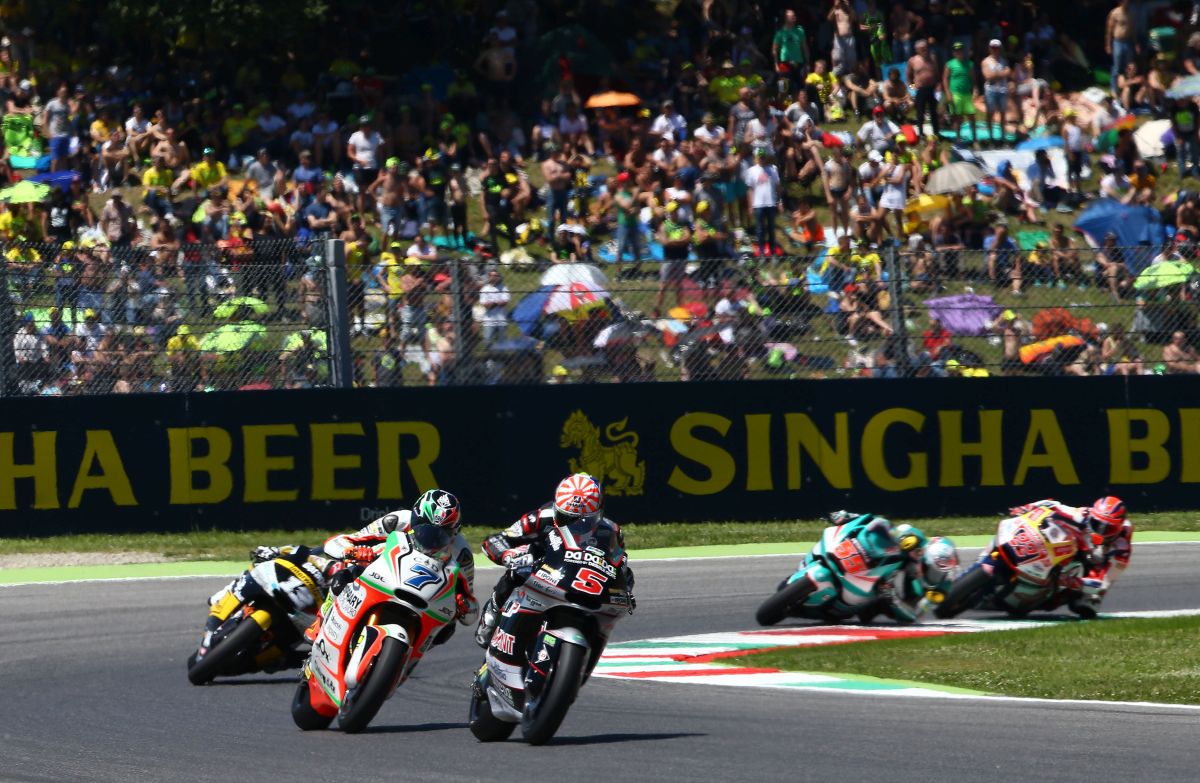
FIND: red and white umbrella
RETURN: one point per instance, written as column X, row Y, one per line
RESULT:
column 574, row 301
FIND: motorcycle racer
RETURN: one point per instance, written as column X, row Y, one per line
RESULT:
column 1106, row 541
column 436, row 507
column 577, row 497
column 899, row 597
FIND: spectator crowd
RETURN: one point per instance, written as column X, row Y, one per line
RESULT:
column 750, row 175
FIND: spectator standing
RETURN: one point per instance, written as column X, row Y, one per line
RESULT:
column 996, row 75
column 762, row 180
column 923, row 75
column 1120, row 41
column 1187, row 147
column 494, row 298
column 628, row 230
column 57, row 127
column 1003, row 259
column 117, row 221
column 958, row 85
column 676, row 237
column 845, row 53
column 362, row 149
column 789, row 49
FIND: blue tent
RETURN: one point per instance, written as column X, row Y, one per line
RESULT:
column 1133, row 224
column 527, row 314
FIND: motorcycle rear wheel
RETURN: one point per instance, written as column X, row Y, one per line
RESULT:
column 369, row 696
column 244, row 637
column 557, row 696
column 303, row 714
column 962, row 594
column 483, row 723
column 776, row 607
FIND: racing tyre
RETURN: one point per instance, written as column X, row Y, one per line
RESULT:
column 543, row 717
column 364, row 701
column 962, row 594
column 484, row 725
column 243, row 638
column 303, row 714
column 776, row 607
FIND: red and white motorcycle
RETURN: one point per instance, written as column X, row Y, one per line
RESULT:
column 377, row 629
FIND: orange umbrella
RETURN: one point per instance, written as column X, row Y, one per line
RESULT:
column 606, row 100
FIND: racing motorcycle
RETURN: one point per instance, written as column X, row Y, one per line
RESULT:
column 377, row 629
column 840, row 576
column 1031, row 561
column 551, row 633
column 261, row 619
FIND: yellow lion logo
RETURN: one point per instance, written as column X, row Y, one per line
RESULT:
column 616, row 463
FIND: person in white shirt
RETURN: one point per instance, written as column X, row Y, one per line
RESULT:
column 666, row 156
column 870, row 177
column 494, row 298
column 879, row 133
column 762, row 182
column 273, row 131
column 363, row 149
column 573, row 127
column 709, row 133
column 669, row 121
column 301, row 107
column 325, row 141
column 138, row 136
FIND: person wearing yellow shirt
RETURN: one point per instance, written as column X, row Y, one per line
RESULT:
column 237, row 128
column 389, row 273
column 157, row 181
column 205, row 175
column 101, row 128
column 725, row 85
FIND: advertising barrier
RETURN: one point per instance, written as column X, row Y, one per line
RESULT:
column 664, row 452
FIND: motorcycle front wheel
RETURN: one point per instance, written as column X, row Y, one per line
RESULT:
column 539, row 723
column 303, row 714
column 244, row 637
column 364, row 701
column 484, row 724
column 776, row 607
column 962, row 594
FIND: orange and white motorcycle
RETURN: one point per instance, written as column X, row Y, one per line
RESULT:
column 377, row 629
column 1036, row 561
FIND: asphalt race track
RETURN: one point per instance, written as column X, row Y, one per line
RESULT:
column 95, row 690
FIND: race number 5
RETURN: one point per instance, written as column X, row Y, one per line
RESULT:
column 589, row 581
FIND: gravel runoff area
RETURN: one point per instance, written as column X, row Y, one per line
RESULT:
column 50, row 559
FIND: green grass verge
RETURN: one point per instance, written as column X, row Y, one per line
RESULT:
column 1143, row 660
column 227, row 545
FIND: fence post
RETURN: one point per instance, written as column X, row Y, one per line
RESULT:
column 899, row 327
column 458, row 315
column 8, row 360
column 338, row 314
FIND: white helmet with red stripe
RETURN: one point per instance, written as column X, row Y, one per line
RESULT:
column 578, row 496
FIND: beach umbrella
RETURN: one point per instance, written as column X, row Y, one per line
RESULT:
column 1187, row 87
column 1163, row 274
column 1149, row 138
column 1040, row 143
column 227, row 308
column 954, row 178
column 232, row 338
column 25, row 192
column 574, row 302
column 566, row 274
column 527, row 314
column 611, row 100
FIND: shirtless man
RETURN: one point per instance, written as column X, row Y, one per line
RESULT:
column 1180, row 357
column 391, row 200
column 171, row 149
column 558, row 180
column 844, row 23
column 905, row 25
column 456, row 191
column 923, row 75
column 1120, row 40
column 838, row 177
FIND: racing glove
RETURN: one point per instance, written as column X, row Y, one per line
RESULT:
column 461, row 607
column 262, row 554
column 361, row 554
column 518, row 558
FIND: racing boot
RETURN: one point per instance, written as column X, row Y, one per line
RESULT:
column 488, row 618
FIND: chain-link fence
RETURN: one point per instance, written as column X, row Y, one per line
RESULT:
column 92, row 318
column 97, row 319
column 846, row 311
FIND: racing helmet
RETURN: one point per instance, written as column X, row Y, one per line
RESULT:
column 577, row 497
column 438, row 507
column 911, row 540
column 1106, row 517
column 940, row 561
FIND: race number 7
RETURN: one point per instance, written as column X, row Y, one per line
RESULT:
column 589, row 581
